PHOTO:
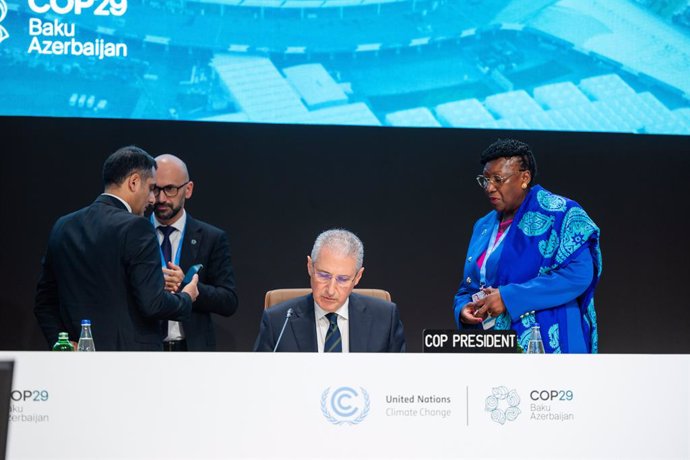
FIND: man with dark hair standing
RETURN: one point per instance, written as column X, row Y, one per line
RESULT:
column 103, row 264
column 185, row 242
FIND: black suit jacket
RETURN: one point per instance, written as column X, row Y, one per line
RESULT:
column 207, row 245
column 374, row 326
column 103, row 263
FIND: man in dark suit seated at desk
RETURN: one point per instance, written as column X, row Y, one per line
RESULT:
column 332, row 318
column 103, row 264
column 186, row 241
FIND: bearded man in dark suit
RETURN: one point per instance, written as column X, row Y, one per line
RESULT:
column 103, row 264
column 185, row 242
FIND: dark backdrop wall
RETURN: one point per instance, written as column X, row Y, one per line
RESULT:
column 408, row 193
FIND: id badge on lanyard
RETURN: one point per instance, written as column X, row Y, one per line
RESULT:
column 493, row 244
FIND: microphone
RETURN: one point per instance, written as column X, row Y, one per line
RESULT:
column 287, row 318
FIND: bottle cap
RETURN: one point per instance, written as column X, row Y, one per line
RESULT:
column 86, row 322
column 63, row 335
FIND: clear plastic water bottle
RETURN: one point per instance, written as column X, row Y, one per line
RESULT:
column 86, row 339
column 63, row 343
column 535, row 345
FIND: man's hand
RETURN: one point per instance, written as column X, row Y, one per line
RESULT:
column 173, row 276
column 491, row 305
column 192, row 289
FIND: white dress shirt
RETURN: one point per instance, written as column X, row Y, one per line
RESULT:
column 322, row 325
column 175, row 331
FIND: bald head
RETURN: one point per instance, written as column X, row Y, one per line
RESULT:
column 173, row 164
column 173, row 188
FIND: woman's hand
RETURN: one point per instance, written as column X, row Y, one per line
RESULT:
column 491, row 305
column 467, row 314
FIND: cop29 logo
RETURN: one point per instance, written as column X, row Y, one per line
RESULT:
column 345, row 405
column 3, row 13
column 503, row 404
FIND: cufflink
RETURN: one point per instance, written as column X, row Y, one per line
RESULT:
column 468, row 280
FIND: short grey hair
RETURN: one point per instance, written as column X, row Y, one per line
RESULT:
column 341, row 241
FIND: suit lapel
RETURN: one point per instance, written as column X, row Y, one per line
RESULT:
column 190, row 251
column 191, row 243
column 303, row 325
column 360, row 324
column 483, row 240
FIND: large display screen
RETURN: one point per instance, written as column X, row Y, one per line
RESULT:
column 570, row 65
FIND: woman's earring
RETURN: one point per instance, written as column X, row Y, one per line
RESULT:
column 524, row 186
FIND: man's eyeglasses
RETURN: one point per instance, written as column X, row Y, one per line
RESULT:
column 170, row 191
column 341, row 280
column 496, row 180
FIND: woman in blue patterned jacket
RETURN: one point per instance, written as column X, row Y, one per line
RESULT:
column 536, row 257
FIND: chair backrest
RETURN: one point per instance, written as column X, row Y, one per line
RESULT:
column 277, row 296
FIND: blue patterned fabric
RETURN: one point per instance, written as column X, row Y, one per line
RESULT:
column 546, row 269
column 552, row 231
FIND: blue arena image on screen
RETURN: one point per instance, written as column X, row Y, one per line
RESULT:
column 568, row 65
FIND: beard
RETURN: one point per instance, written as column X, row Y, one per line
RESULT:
column 148, row 210
column 165, row 211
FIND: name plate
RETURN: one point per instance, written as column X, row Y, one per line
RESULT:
column 469, row 341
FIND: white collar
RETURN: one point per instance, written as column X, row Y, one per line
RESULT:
column 129, row 208
column 342, row 311
column 179, row 224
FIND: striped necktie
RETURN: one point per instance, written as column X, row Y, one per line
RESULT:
column 166, row 245
column 333, row 340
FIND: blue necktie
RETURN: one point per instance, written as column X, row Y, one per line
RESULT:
column 166, row 246
column 333, row 340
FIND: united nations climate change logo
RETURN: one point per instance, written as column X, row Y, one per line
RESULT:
column 503, row 405
column 344, row 405
column 3, row 13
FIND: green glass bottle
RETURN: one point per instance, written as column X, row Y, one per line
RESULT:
column 63, row 343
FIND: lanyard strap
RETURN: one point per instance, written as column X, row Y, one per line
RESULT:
column 493, row 244
column 179, row 246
